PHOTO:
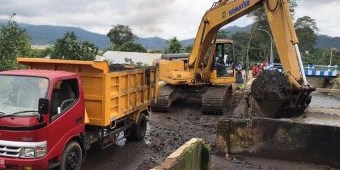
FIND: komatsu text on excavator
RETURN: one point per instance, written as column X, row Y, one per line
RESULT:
column 273, row 94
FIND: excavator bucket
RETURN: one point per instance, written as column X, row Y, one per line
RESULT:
column 273, row 97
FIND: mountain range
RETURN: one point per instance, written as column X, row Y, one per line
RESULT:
column 48, row 34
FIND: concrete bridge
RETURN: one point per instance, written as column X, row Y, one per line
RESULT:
column 315, row 70
column 321, row 70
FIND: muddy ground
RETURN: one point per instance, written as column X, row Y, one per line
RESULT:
column 168, row 131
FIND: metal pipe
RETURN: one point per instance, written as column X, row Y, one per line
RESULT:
column 300, row 64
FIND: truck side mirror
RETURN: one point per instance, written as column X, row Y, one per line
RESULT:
column 43, row 106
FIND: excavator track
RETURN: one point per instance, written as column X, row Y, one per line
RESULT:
column 273, row 97
column 214, row 99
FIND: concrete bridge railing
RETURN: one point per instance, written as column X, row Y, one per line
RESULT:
column 314, row 70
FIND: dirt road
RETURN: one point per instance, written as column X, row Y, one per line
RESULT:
column 167, row 132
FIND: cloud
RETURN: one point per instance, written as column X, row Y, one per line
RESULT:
column 323, row 12
column 146, row 18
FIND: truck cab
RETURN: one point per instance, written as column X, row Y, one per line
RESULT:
column 40, row 110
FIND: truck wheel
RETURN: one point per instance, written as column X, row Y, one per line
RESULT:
column 139, row 129
column 72, row 157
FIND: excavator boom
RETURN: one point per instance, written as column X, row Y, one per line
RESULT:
column 279, row 19
column 289, row 92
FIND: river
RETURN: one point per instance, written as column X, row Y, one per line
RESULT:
column 324, row 100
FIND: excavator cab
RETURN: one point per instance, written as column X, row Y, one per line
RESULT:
column 224, row 58
column 222, row 69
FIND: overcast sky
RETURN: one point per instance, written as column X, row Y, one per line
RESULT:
column 148, row 18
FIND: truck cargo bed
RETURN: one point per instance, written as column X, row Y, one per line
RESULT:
column 109, row 95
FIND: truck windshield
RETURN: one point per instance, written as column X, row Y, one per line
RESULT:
column 19, row 95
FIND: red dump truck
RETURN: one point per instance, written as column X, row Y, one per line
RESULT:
column 54, row 111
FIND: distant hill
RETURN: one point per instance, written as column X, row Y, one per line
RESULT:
column 154, row 43
column 47, row 34
column 327, row 42
column 187, row 42
column 234, row 29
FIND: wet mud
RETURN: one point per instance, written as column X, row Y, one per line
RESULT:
column 168, row 131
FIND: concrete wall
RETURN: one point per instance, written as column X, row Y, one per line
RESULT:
column 280, row 139
column 317, row 82
column 193, row 155
column 320, row 82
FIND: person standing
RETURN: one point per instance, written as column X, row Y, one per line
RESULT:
column 239, row 77
column 255, row 70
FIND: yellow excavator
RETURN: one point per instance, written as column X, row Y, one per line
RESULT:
column 273, row 94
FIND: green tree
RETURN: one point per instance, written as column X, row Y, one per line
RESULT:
column 335, row 56
column 120, row 34
column 173, row 45
column 69, row 48
column 292, row 5
column 130, row 46
column 41, row 53
column 306, row 21
column 113, row 47
column 306, row 31
column 14, row 42
column 188, row 49
column 260, row 43
column 223, row 34
column 240, row 40
column 122, row 39
column 322, row 57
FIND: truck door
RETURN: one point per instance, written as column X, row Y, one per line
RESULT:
column 66, row 114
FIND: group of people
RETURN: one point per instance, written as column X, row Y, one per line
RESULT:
column 258, row 68
column 240, row 72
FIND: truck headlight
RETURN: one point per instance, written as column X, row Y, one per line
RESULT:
column 40, row 151
column 27, row 153
column 35, row 152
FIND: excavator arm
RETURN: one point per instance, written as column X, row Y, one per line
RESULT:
column 281, row 24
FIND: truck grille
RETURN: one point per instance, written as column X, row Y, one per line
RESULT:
column 9, row 151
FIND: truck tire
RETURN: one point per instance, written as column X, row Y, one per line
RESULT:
column 72, row 157
column 138, row 130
